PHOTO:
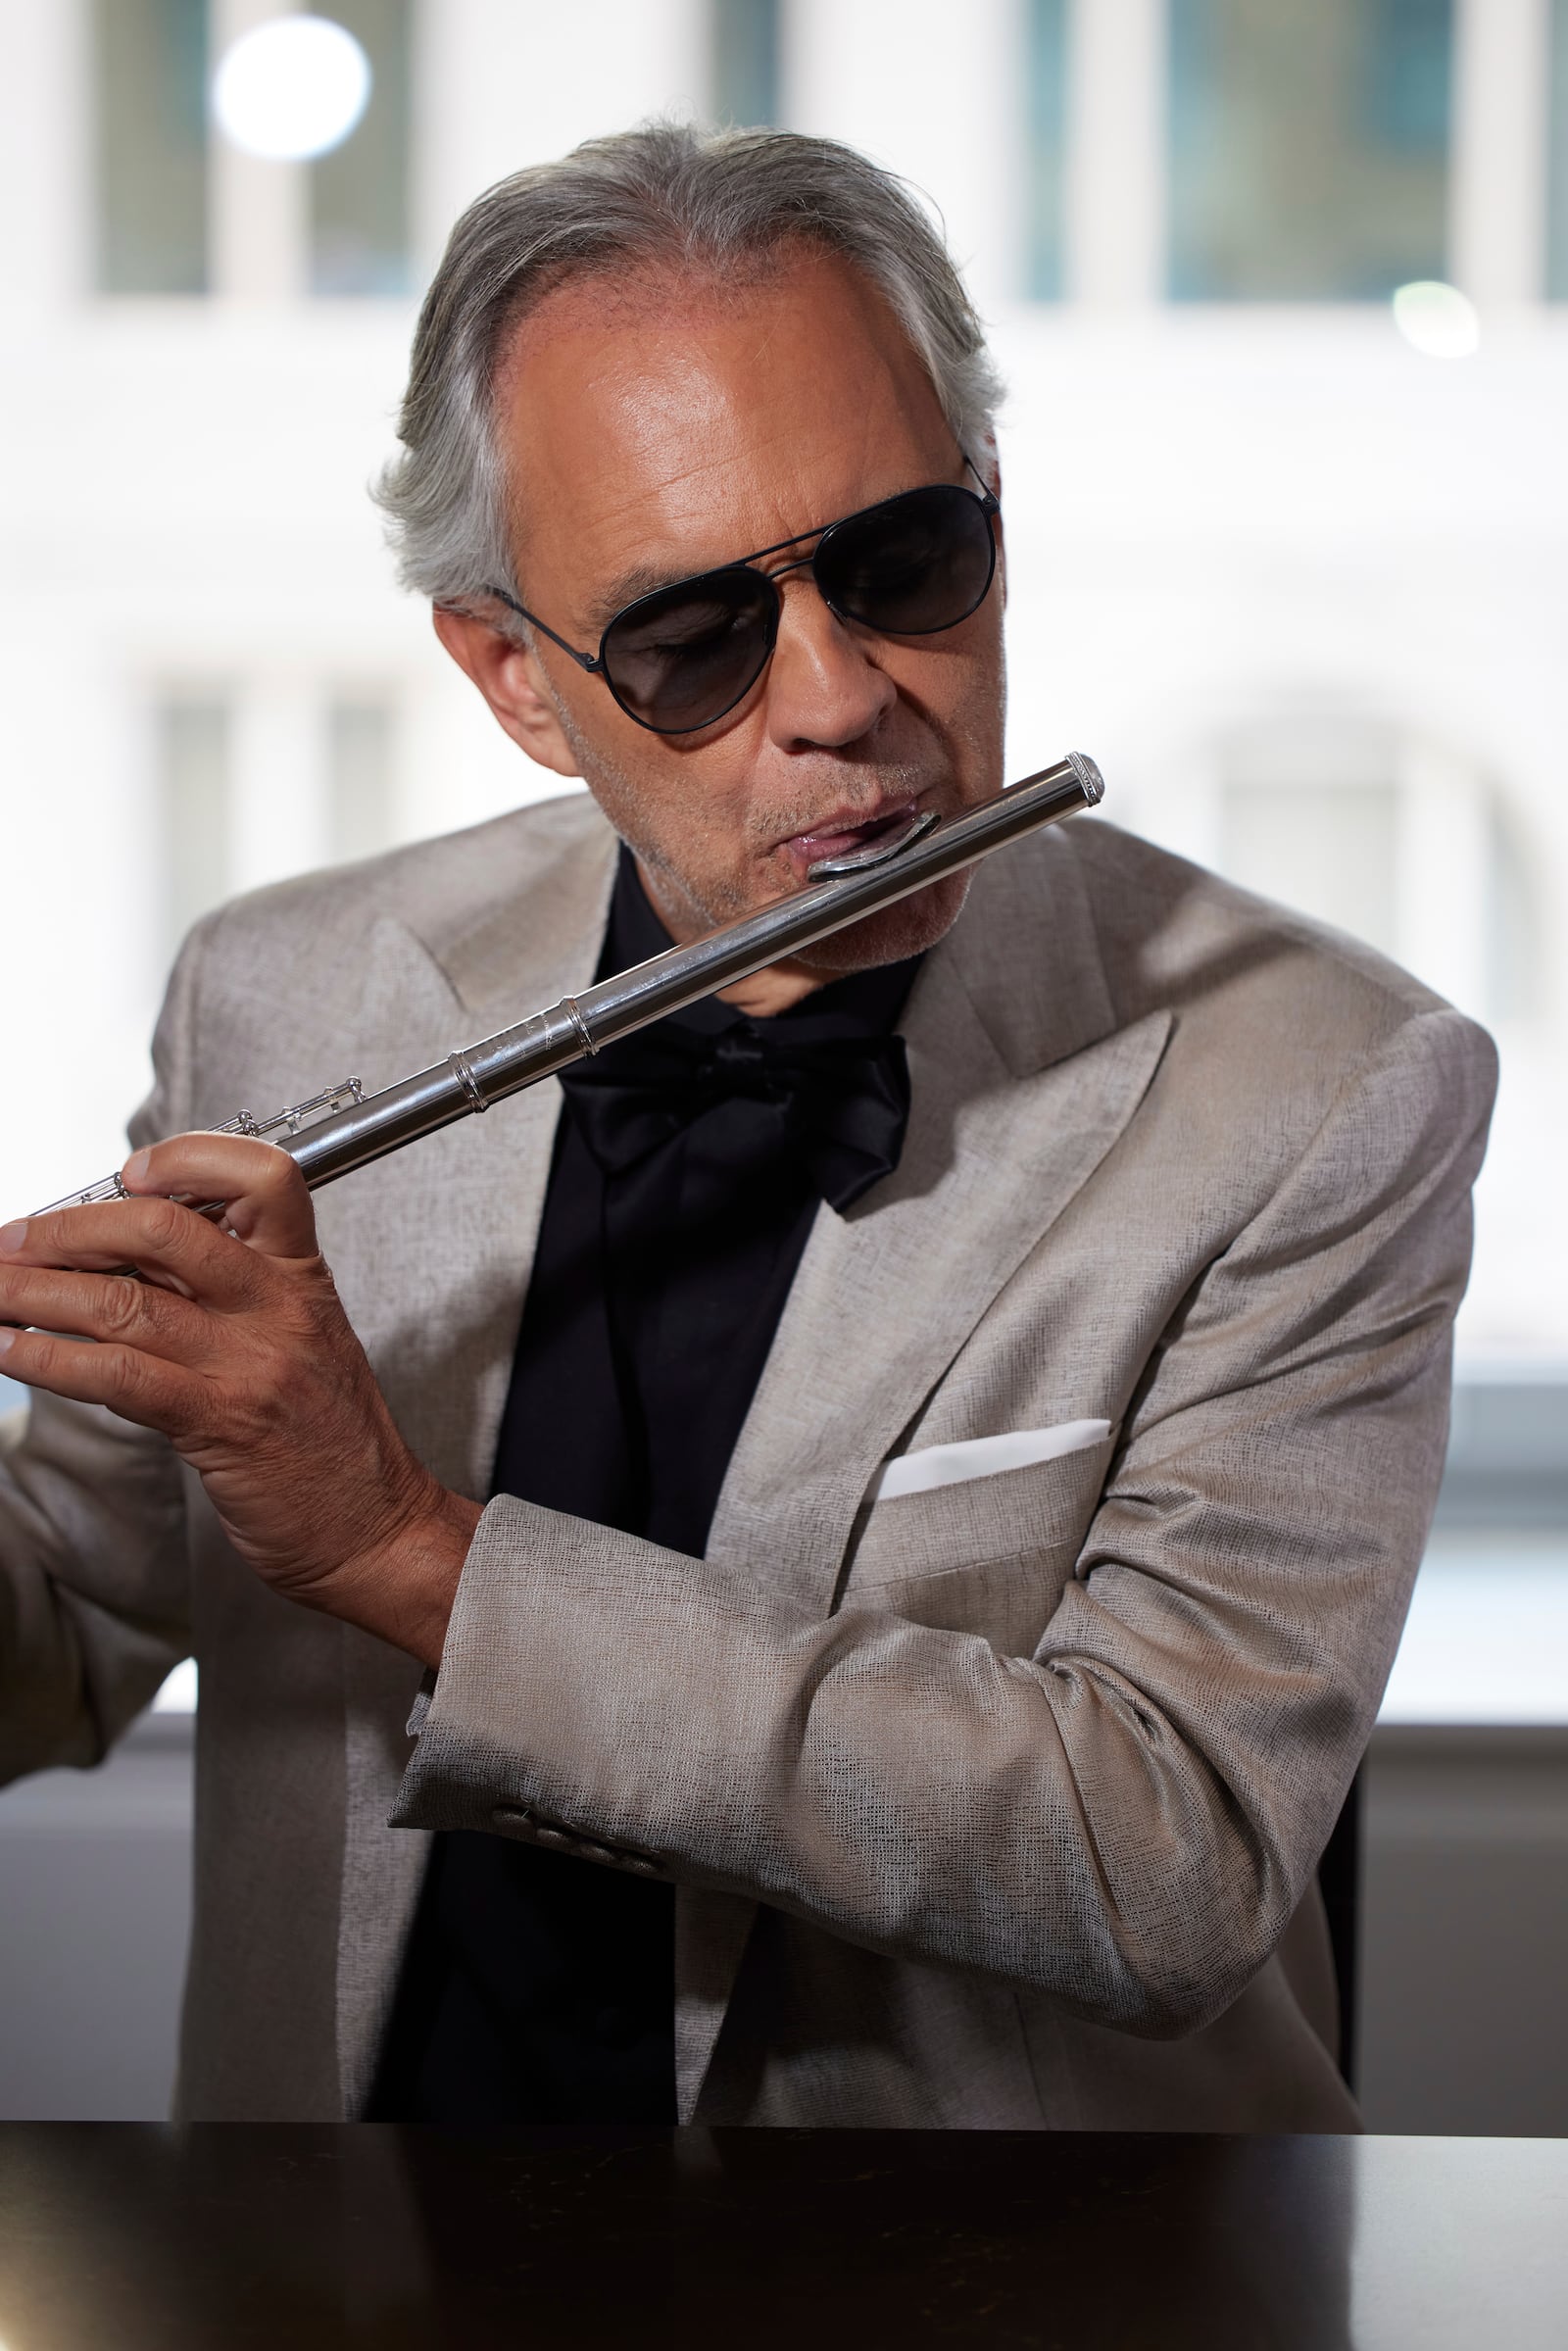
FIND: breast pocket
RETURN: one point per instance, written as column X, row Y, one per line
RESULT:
column 989, row 1555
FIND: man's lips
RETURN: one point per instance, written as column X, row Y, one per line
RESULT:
column 846, row 830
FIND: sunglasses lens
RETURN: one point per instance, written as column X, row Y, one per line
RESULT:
column 919, row 563
column 681, row 658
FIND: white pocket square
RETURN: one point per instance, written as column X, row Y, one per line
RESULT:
column 983, row 1456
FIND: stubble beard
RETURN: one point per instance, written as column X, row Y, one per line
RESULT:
column 908, row 928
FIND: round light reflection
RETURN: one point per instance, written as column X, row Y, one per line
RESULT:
column 291, row 88
column 1437, row 319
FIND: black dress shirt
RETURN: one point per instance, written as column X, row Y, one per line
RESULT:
column 539, row 1988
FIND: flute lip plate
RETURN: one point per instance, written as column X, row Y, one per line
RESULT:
column 880, row 853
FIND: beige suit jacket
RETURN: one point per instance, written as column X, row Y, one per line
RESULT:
column 996, row 1803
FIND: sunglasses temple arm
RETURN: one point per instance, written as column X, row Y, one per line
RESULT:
column 990, row 500
column 584, row 661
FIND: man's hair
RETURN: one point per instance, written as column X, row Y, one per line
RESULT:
column 663, row 194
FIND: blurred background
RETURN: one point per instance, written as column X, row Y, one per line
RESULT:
column 1280, row 289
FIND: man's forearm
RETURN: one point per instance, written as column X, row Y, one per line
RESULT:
column 905, row 1788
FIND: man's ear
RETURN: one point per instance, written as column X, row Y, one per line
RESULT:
column 509, row 677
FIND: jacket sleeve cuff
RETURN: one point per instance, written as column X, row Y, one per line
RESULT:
column 473, row 1767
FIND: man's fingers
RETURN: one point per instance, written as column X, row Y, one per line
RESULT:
column 155, row 1394
column 267, row 1203
column 85, row 1305
column 266, row 1206
column 170, row 1243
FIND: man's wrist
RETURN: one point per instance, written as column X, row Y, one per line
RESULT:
column 403, row 1589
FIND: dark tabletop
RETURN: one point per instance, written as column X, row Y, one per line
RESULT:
column 122, row 2236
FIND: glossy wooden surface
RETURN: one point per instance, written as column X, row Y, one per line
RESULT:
column 123, row 2238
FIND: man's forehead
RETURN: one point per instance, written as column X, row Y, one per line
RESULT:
column 639, row 419
column 693, row 298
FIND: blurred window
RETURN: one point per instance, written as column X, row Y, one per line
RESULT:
column 150, row 78
column 1557, row 219
column 193, row 755
column 746, row 61
column 1329, row 849
column 1514, row 961
column 1047, row 79
column 360, row 192
column 1407, row 848
column 152, row 62
column 1312, row 818
column 361, row 777
column 1308, row 147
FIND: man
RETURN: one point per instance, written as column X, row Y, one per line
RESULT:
column 791, row 1753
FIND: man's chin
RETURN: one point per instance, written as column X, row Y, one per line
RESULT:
column 906, row 928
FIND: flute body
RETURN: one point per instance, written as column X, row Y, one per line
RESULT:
column 356, row 1128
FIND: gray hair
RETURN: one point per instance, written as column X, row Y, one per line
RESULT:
column 665, row 191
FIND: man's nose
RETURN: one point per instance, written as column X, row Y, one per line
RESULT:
column 823, row 683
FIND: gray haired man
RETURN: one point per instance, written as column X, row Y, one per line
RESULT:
column 903, row 1492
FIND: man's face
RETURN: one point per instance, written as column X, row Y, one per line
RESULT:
column 653, row 431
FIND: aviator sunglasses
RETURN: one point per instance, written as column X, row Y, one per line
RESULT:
column 684, row 656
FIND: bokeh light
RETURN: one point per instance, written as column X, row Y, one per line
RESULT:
column 1437, row 319
column 291, row 88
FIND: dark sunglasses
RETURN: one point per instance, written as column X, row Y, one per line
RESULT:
column 679, row 658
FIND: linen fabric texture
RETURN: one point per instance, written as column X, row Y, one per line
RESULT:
column 997, row 1804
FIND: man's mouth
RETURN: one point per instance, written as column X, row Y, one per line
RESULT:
column 842, row 832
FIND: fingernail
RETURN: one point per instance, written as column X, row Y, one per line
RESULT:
column 138, row 1164
column 14, row 1235
column 8, row 1339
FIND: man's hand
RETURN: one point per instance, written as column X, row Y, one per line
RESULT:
column 235, row 1345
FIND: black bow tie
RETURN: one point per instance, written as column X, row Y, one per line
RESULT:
column 840, row 1103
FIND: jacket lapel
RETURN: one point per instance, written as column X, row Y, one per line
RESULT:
column 883, row 1302
column 431, row 1249
column 1022, row 1081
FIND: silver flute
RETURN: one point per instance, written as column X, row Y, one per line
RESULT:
column 344, row 1128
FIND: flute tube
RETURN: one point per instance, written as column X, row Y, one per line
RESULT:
column 369, row 1126
column 481, row 1074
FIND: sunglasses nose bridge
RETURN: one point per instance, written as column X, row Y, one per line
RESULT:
column 775, row 575
column 797, row 563
column 809, row 564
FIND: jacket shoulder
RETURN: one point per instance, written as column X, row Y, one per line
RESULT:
column 270, row 980
column 1173, row 935
column 457, row 878
column 298, row 941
